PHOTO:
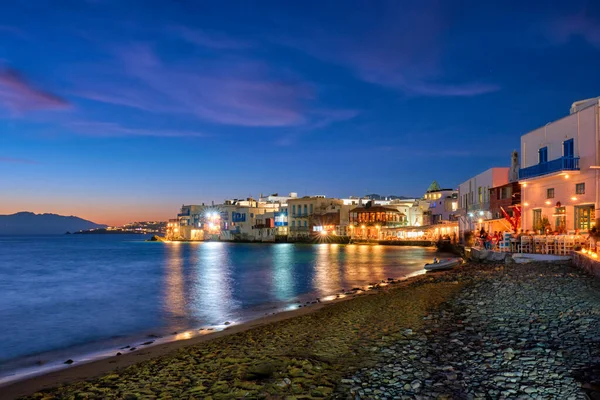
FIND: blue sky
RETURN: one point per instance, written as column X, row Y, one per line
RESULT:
column 124, row 110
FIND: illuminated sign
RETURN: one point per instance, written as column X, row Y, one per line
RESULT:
column 281, row 219
column 238, row 217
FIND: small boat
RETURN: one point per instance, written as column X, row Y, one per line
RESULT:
column 447, row 263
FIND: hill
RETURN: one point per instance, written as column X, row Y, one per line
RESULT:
column 28, row 223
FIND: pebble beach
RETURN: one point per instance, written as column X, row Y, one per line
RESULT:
column 479, row 331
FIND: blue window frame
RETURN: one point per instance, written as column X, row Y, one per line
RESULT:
column 543, row 155
column 568, row 148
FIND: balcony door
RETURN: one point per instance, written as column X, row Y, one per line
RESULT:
column 568, row 149
column 543, row 155
column 585, row 217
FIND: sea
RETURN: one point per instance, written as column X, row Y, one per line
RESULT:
column 84, row 297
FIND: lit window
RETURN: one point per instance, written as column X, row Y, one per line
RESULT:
column 580, row 188
column 550, row 193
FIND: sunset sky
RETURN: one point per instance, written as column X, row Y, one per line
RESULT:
column 118, row 111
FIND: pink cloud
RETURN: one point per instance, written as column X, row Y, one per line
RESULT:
column 18, row 95
column 110, row 129
column 228, row 91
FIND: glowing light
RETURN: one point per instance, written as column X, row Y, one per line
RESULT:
column 548, row 202
column 574, row 198
column 526, row 204
column 324, row 233
column 480, row 220
column 362, row 226
column 524, row 184
column 470, row 214
column 377, row 227
column 480, row 212
column 567, row 176
column 595, row 255
column 583, row 251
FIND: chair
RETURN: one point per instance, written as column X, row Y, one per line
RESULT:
column 560, row 245
column 569, row 245
column 504, row 246
column 525, row 244
column 539, row 244
column 550, row 245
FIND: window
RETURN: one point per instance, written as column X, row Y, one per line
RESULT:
column 550, row 193
column 568, row 148
column 293, row 224
column 305, row 210
column 480, row 194
column 311, row 208
column 580, row 188
column 543, row 155
column 305, row 224
column 294, row 209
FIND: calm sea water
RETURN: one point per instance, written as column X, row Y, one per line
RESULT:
column 61, row 295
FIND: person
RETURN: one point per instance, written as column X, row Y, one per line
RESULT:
column 482, row 236
column 488, row 241
column 592, row 238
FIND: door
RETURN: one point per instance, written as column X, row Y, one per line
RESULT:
column 543, row 155
column 568, row 149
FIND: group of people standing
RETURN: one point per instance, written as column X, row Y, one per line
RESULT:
column 488, row 239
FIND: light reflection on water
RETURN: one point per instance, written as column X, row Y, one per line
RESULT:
column 282, row 276
column 174, row 284
column 81, row 292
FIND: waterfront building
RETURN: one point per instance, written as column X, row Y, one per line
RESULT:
column 251, row 220
column 474, row 199
column 316, row 215
column 442, row 204
column 559, row 172
column 371, row 221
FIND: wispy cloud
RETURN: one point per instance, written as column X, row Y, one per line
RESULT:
column 18, row 95
column 400, row 48
column 110, row 129
column 229, row 91
column 14, row 160
column 583, row 25
column 210, row 39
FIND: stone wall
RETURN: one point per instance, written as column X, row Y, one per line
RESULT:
column 586, row 263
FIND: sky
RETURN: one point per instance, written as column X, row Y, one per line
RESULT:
column 119, row 111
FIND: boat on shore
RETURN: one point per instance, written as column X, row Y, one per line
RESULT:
column 444, row 264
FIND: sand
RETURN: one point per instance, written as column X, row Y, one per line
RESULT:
column 302, row 353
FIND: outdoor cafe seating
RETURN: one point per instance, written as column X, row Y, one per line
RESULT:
column 540, row 244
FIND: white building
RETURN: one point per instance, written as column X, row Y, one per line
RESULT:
column 474, row 198
column 442, row 204
column 559, row 172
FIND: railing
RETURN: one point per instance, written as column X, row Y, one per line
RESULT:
column 300, row 215
column 560, row 164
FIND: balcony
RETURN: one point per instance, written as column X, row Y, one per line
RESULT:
column 300, row 215
column 550, row 167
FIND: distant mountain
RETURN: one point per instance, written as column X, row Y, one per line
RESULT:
column 28, row 223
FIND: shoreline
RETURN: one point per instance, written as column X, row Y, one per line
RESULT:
column 90, row 368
